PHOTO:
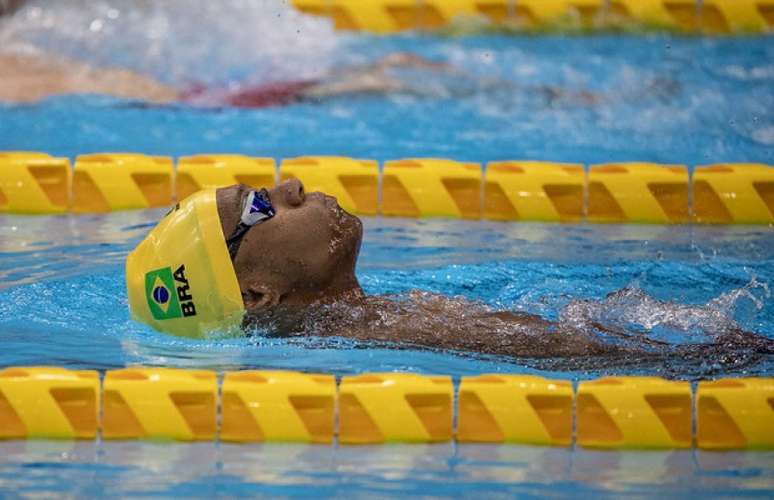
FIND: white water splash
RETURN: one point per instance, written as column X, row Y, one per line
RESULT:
column 728, row 302
column 764, row 135
column 756, row 73
column 632, row 309
column 178, row 41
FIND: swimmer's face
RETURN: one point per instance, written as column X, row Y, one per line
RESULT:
column 305, row 253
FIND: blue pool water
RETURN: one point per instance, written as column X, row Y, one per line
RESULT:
column 62, row 278
column 659, row 98
column 62, row 303
column 129, row 469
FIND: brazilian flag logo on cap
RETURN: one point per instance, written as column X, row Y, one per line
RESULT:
column 160, row 292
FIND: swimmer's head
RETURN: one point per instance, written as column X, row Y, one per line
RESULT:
column 305, row 253
column 185, row 279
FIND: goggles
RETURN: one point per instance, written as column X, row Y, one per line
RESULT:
column 256, row 208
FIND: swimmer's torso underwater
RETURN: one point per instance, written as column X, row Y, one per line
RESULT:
column 280, row 262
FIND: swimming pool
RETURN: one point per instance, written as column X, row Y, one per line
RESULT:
column 63, row 303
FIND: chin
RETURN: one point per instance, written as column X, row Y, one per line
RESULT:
column 344, row 220
column 346, row 230
column 350, row 230
column 354, row 220
column 353, row 228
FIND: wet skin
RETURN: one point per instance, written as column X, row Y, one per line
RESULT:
column 305, row 254
column 296, row 272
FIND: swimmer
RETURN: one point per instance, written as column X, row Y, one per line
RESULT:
column 280, row 262
column 359, row 80
column 30, row 77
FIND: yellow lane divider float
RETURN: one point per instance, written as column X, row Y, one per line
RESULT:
column 431, row 187
column 106, row 182
column 733, row 193
column 638, row 192
column 402, row 407
column 159, row 403
column 515, row 409
column 677, row 15
column 204, row 171
column 634, row 412
column 737, row 16
column 49, row 403
column 277, row 406
column 538, row 191
column 34, row 183
column 735, row 413
column 355, row 183
column 692, row 16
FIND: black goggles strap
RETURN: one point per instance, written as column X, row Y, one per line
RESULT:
column 235, row 240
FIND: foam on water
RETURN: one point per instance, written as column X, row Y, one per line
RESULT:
column 632, row 308
column 179, row 41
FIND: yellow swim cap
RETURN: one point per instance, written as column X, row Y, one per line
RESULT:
column 180, row 278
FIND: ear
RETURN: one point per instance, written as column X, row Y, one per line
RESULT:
column 260, row 297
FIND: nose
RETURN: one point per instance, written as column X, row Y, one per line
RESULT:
column 292, row 192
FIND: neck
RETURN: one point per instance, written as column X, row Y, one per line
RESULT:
column 343, row 291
